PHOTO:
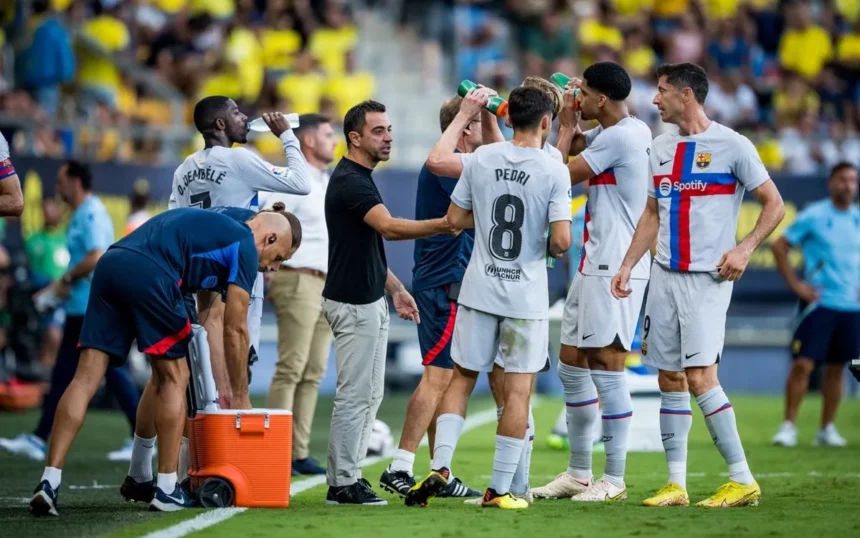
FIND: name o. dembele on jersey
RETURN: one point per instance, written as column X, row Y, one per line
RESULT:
column 233, row 177
column 699, row 183
column 514, row 194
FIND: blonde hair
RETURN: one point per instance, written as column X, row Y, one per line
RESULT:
column 551, row 89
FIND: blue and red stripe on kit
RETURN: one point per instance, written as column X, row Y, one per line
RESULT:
column 715, row 183
column 6, row 169
column 607, row 177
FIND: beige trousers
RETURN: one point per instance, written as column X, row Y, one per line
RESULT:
column 304, row 345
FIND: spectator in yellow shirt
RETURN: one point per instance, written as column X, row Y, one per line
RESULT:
column 638, row 57
column 350, row 88
column 804, row 47
column 848, row 49
column 793, row 100
column 601, row 31
column 280, row 43
column 303, row 86
column 331, row 44
column 101, row 37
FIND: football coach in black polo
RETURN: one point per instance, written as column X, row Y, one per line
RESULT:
column 354, row 295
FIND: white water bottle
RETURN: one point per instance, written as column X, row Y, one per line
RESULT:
column 259, row 125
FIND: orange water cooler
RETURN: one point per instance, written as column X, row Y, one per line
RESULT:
column 241, row 458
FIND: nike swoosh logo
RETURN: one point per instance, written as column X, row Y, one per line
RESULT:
column 664, row 162
column 179, row 500
column 587, row 336
column 691, row 356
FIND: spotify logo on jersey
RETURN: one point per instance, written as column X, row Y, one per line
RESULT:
column 665, row 186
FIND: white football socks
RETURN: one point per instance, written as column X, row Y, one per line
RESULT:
column 140, row 466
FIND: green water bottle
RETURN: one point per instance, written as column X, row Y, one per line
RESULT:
column 550, row 259
column 561, row 80
column 496, row 105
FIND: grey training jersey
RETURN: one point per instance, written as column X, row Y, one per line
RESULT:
column 514, row 193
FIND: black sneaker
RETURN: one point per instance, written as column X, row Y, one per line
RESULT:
column 358, row 493
column 456, row 488
column 139, row 492
column 396, row 482
column 308, row 466
column 421, row 493
column 45, row 500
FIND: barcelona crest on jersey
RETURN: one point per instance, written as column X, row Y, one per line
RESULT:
column 703, row 160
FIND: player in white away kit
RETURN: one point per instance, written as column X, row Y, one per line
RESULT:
column 597, row 330
column 442, row 161
column 698, row 182
column 512, row 193
column 223, row 176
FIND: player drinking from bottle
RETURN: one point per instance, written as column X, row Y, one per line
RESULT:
column 597, row 331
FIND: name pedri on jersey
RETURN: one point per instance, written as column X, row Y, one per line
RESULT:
column 514, row 193
column 699, row 183
column 617, row 195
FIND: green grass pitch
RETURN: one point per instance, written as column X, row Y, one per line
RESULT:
column 806, row 491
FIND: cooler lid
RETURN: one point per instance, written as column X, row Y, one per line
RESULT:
column 255, row 411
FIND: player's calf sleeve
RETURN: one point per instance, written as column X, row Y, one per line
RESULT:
column 720, row 419
column 676, row 418
column 508, row 452
column 448, row 429
column 520, row 483
column 184, row 459
column 617, row 415
column 140, row 466
column 560, row 427
column 580, row 397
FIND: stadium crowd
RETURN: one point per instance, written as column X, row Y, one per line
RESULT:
column 784, row 73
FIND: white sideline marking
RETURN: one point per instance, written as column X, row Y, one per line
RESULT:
column 96, row 485
column 198, row 523
column 219, row 515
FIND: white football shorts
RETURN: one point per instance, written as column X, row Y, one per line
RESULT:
column 520, row 343
column 593, row 318
column 685, row 319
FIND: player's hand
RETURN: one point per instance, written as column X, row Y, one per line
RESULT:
column 618, row 286
column 447, row 228
column 406, row 307
column 568, row 116
column 806, row 292
column 490, row 91
column 474, row 101
column 733, row 264
column 225, row 397
column 277, row 122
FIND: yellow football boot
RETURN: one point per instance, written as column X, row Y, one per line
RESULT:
column 669, row 495
column 733, row 494
column 505, row 502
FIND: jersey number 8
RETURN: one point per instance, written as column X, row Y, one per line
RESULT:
column 506, row 237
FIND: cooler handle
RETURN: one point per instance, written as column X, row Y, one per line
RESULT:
column 253, row 423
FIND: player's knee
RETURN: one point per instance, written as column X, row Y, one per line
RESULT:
column 572, row 356
column 802, row 367
column 171, row 372
column 609, row 358
column 672, row 381
column 91, row 369
column 436, row 379
column 701, row 380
